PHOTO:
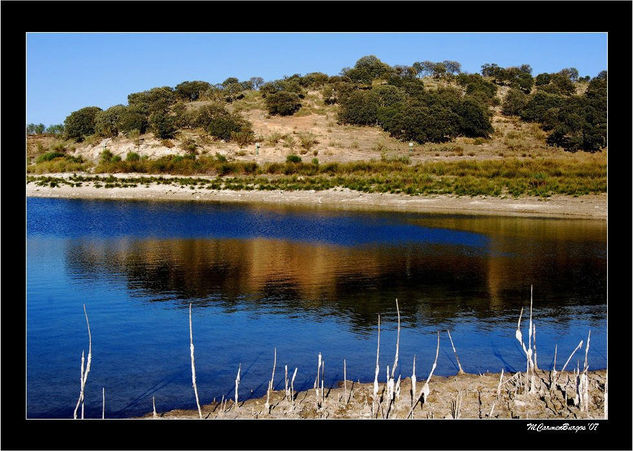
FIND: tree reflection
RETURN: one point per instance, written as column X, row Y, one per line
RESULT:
column 434, row 283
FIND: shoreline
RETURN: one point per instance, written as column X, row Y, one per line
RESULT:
column 591, row 206
column 461, row 396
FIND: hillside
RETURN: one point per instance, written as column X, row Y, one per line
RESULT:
column 280, row 136
column 538, row 135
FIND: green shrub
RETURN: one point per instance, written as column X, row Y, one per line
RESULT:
column 48, row 156
column 132, row 156
column 283, row 103
column 222, row 126
column 106, row 156
column 243, row 138
column 293, row 159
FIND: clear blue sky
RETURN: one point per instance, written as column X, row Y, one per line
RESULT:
column 68, row 71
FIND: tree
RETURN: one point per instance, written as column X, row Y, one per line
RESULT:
column 424, row 68
column 56, row 129
column 230, row 81
column 570, row 72
column 283, row 103
column 81, row 123
column 191, row 90
column 514, row 102
column 134, row 117
column 107, row 121
column 473, row 119
column 491, row 70
column 360, row 108
column 35, row 129
column 543, row 79
column 162, row 125
column 366, row 69
column 153, row 100
column 257, row 82
column 205, row 115
column 453, row 67
column 224, row 126
column 314, row 79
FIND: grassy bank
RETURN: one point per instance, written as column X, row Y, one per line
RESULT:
column 515, row 177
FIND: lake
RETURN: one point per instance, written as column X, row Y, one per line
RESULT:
column 301, row 281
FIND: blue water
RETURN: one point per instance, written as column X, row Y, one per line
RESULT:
column 302, row 281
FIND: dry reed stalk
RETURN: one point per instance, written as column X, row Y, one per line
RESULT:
column 552, row 374
column 534, row 345
column 390, row 386
column 527, row 351
column 237, row 384
column 425, row 389
column 413, row 381
column 344, row 380
column 456, row 405
column 459, row 365
column 498, row 394
column 292, row 387
column 377, row 359
column 271, row 383
column 375, row 393
column 103, row 404
column 318, row 383
column 395, row 361
column 571, row 355
column 84, row 372
column 584, row 379
column 322, row 382
column 286, row 391
column 193, row 364
column 154, row 414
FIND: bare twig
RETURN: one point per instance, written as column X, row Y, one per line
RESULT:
column 345, row 380
column 395, row 361
column 425, row 389
column 84, row 372
column 193, row 364
column 103, row 405
column 271, row 383
column 237, row 384
column 413, row 381
column 459, row 365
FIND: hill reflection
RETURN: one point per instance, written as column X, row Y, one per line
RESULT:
column 435, row 283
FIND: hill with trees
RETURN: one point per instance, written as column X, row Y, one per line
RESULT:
column 426, row 111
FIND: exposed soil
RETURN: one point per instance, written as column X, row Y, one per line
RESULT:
column 459, row 396
column 588, row 206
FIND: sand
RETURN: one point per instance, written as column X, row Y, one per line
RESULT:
column 559, row 206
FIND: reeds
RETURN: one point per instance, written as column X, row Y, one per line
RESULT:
column 193, row 365
column 237, row 385
column 461, row 370
column 84, row 372
column 375, row 397
column 530, row 367
column 271, row 383
column 424, row 392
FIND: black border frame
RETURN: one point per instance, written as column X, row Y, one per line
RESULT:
column 21, row 17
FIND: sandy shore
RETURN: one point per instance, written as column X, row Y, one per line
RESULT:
column 588, row 206
column 459, row 396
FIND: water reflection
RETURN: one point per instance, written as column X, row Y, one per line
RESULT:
column 435, row 283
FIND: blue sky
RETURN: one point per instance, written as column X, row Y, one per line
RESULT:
column 68, row 71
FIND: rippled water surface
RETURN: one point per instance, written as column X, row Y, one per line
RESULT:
column 302, row 281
